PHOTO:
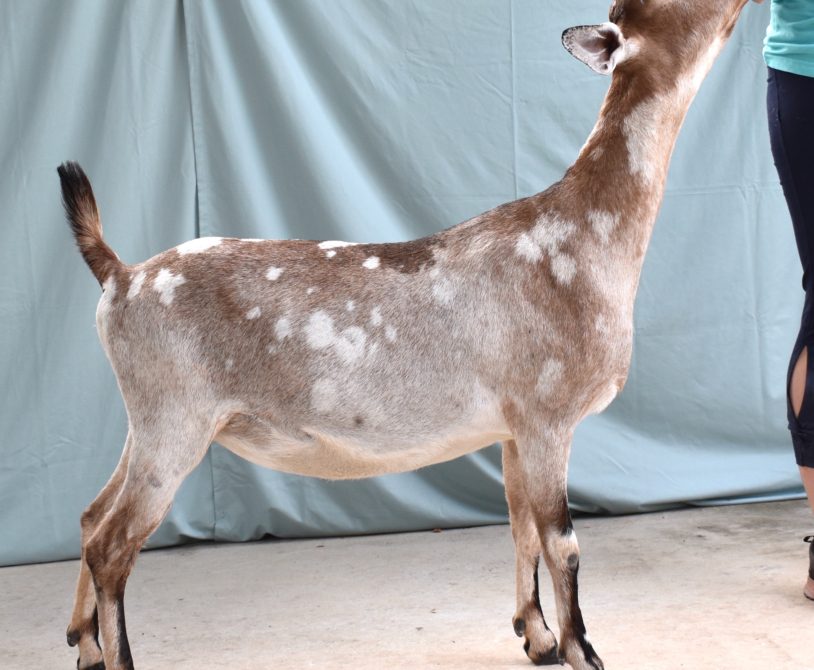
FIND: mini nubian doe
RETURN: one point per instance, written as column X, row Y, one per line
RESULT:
column 342, row 360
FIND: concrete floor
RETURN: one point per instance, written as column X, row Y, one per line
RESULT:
column 700, row 589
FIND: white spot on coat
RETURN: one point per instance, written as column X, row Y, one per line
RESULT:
column 351, row 344
column 165, row 283
column 109, row 287
column 390, row 333
column 320, row 330
column 443, row 291
column 273, row 273
column 550, row 375
column 526, row 248
column 136, row 284
column 335, row 244
column 371, row 263
column 282, row 329
column 320, row 333
column 565, row 546
column 350, row 305
column 310, row 290
column 330, row 254
column 253, row 313
column 198, row 245
column 603, row 224
column 375, row 317
column 564, row 268
column 551, row 232
column 546, row 237
column 643, row 137
column 324, row 395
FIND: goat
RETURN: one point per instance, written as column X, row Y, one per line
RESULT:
column 341, row 360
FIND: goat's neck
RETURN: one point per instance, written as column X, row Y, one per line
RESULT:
column 622, row 169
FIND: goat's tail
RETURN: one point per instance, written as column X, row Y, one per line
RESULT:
column 83, row 218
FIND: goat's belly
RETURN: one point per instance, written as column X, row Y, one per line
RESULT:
column 320, row 453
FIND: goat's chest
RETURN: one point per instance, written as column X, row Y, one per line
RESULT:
column 576, row 360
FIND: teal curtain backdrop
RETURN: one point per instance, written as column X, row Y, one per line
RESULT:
column 370, row 120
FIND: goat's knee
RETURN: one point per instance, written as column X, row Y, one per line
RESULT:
column 562, row 549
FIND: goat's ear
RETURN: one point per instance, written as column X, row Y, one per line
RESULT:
column 600, row 47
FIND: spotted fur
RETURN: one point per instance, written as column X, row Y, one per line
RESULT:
column 343, row 360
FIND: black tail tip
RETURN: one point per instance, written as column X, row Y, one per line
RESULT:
column 77, row 193
column 71, row 171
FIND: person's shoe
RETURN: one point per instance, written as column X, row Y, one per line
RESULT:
column 809, row 589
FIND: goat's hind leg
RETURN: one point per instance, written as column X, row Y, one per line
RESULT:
column 544, row 462
column 83, row 630
column 159, row 460
column 529, row 622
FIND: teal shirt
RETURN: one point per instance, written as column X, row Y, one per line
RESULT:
column 789, row 43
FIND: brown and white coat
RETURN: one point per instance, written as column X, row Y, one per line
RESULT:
column 342, row 360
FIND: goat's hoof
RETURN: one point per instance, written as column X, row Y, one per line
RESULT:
column 73, row 637
column 580, row 654
column 550, row 657
column 594, row 662
column 96, row 666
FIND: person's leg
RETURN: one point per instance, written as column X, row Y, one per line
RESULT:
column 801, row 423
column 807, row 475
column 790, row 106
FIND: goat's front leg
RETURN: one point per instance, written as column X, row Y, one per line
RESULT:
column 543, row 457
column 83, row 630
column 540, row 645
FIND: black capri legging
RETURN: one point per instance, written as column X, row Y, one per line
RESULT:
column 790, row 104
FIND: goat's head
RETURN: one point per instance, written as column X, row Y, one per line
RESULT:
column 655, row 39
